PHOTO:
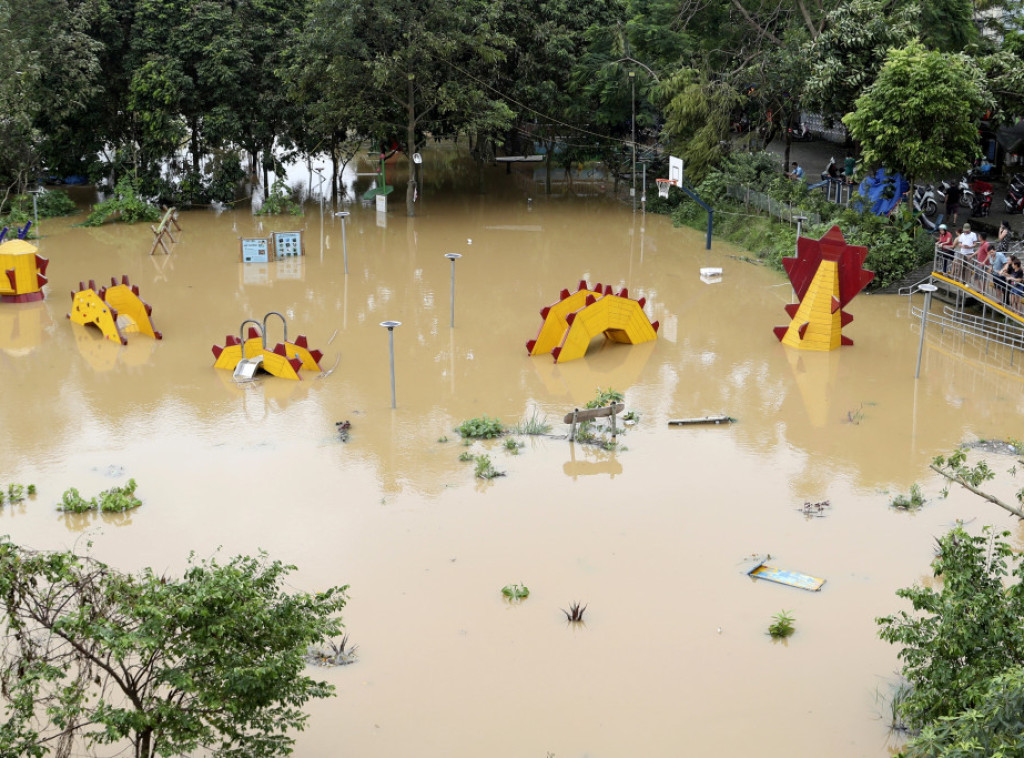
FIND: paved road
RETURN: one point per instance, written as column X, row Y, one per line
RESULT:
column 813, row 157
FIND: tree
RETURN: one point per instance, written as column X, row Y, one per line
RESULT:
column 920, row 116
column 211, row 661
column 697, row 119
column 964, row 634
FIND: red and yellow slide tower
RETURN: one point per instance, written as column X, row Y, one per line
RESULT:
column 577, row 317
column 826, row 275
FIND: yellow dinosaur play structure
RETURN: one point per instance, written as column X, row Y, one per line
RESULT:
column 244, row 357
column 572, row 322
column 116, row 310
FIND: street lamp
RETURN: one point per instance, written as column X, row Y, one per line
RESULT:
column 344, row 247
column 453, row 257
column 391, row 350
column 632, row 85
column 927, row 289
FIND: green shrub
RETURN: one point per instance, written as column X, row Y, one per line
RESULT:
column 782, row 626
column 481, row 427
column 515, row 591
column 114, row 500
column 605, row 397
column 913, row 501
column 126, row 203
column 485, row 469
column 279, row 201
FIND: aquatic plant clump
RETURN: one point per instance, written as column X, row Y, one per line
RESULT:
column 535, row 425
column 114, row 500
column 481, row 427
column 16, row 493
column 606, row 397
column 910, row 502
column 575, row 613
column 126, row 204
column 515, row 591
column 485, row 469
column 782, row 626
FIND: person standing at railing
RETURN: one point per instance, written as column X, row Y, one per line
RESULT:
column 999, row 260
column 982, row 268
column 1014, row 275
column 966, row 244
column 944, row 247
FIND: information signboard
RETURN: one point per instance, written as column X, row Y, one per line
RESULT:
column 255, row 250
column 287, row 244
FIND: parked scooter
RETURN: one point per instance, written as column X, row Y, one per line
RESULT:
column 1014, row 200
column 925, row 200
column 800, row 134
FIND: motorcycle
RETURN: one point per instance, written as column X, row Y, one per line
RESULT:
column 800, row 134
column 974, row 193
column 1014, row 200
column 925, row 200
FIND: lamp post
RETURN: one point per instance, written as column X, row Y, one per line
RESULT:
column 927, row 289
column 453, row 257
column 632, row 85
column 344, row 247
column 391, row 350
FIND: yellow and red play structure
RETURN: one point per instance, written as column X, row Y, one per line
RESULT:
column 244, row 357
column 577, row 317
column 22, row 272
column 115, row 310
column 826, row 274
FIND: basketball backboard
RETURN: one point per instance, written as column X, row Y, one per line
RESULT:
column 675, row 169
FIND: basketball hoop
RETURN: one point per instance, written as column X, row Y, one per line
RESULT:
column 663, row 185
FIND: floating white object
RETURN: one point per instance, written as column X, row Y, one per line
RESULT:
column 710, row 275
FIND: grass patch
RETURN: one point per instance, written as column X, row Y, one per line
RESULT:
column 782, row 626
column 910, row 502
column 534, row 425
column 484, row 469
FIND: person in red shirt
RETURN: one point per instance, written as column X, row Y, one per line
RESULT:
column 944, row 247
column 982, row 269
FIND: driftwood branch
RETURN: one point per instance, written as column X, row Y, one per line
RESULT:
column 991, row 498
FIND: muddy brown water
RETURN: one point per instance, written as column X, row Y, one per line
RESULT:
column 673, row 658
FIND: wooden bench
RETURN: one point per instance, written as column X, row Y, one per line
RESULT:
column 591, row 413
column 163, row 229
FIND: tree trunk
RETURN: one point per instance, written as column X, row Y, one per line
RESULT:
column 410, row 142
column 194, row 145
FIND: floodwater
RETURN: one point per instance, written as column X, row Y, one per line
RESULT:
column 673, row 658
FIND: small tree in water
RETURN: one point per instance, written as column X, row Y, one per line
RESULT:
column 212, row 661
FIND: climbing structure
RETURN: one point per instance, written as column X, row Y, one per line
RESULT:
column 576, row 318
column 284, row 360
column 826, row 275
column 115, row 310
column 22, row 272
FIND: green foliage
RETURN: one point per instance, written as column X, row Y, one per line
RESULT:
column 481, row 427
column 16, row 493
column 963, row 634
column 209, row 663
column 49, row 203
column 535, row 425
column 114, row 500
column 279, row 201
column 910, row 502
column 697, row 117
column 465, row 456
column 782, row 626
column 920, row 116
column 515, row 591
column 605, row 397
column 484, row 469
column 513, row 446
column 442, row 439
column 126, row 204
column 992, row 728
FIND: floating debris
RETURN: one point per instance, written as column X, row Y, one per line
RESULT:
column 339, row 654
column 343, row 427
column 815, row 510
column 755, row 568
column 702, row 420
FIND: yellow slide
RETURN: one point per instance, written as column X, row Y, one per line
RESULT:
column 114, row 310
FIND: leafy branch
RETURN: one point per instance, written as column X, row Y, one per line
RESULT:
column 955, row 469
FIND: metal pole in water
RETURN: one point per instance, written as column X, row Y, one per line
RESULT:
column 453, row 257
column 391, row 350
column 632, row 84
column 927, row 289
column 344, row 246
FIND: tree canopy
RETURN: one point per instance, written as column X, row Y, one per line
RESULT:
column 212, row 660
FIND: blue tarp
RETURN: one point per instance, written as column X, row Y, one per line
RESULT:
column 884, row 191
